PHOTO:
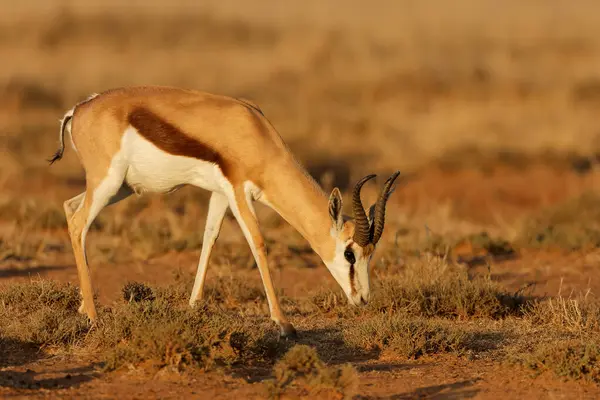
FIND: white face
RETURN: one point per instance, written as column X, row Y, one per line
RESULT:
column 350, row 263
column 350, row 267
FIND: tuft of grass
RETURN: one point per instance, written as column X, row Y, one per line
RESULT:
column 153, row 326
column 232, row 291
column 153, row 331
column 136, row 292
column 43, row 313
column 11, row 249
column 24, row 244
column 407, row 337
column 159, row 327
column 493, row 246
column 434, row 288
column 573, row 359
column 33, row 213
column 146, row 233
column 154, row 235
column 330, row 301
column 480, row 245
column 437, row 245
column 572, row 315
column 572, row 225
column 302, row 369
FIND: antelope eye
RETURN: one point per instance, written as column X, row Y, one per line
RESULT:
column 349, row 256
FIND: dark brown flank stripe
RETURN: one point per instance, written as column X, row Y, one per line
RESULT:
column 171, row 139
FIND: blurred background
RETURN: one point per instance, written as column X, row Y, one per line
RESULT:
column 393, row 84
column 490, row 109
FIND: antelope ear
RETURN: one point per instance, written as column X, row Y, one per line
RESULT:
column 335, row 208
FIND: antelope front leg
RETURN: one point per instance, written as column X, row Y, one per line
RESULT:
column 243, row 211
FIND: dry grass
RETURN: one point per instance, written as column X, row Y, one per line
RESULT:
column 407, row 337
column 573, row 359
column 577, row 315
column 302, row 369
column 572, row 225
column 426, row 309
column 153, row 326
column 33, row 213
column 494, row 246
column 43, row 313
column 157, row 326
column 431, row 287
column 22, row 245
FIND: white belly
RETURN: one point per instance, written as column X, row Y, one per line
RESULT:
column 151, row 169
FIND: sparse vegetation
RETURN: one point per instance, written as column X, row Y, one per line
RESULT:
column 573, row 225
column 577, row 315
column 425, row 307
column 153, row 325
column 573, row 359
column 429, row 312
column 470, row 249
column 406, row 337
column 433, row 288
column 301, row 368
column 33, row 213
column 42, row 313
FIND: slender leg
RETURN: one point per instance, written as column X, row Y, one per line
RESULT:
column 243, row 210
column 217, row 207
column 70, row 207
column 81, row 211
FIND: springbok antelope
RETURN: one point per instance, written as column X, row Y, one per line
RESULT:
column 157, row 139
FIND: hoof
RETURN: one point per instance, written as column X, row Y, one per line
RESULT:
column 288, row 331
column 92, row 317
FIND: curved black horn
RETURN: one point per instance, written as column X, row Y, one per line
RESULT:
column 361, row 223
column 379, row 220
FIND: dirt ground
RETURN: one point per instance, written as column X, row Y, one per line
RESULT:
column 491, row 115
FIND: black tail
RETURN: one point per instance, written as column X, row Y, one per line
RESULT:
column 59, row 153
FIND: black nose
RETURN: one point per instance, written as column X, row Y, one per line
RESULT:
column 363, row 301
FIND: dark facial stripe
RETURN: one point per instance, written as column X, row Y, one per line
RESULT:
column 351, row 276
column 171, row 139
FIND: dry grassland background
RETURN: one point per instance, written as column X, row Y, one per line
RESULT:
column 488, row 267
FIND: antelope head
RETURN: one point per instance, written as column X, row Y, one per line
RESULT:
column 356, row 239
